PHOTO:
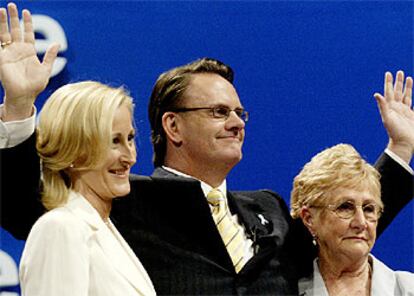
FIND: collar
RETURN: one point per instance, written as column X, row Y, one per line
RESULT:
column 204, row 186
column 383, row 281
column 111, row 244
column 84, row 210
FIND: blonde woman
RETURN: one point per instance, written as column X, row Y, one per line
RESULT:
column 338, row 197
column 86, row 145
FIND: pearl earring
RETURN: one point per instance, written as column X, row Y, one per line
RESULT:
column 314, row 240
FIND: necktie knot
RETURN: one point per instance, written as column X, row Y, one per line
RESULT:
column 215, row 197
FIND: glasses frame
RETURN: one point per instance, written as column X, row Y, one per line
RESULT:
column 334, row 208
column 242, row 114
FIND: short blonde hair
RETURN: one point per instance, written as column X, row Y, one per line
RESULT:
column 75, row 125
column 340, row 166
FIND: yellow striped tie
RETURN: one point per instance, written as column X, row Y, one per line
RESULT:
column 229, row 231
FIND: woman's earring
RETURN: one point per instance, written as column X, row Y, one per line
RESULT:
column 71, row 166
column 314, row 240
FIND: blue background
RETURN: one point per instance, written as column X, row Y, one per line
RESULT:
column 305, row 70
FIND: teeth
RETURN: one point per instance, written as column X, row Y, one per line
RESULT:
column 118, row 172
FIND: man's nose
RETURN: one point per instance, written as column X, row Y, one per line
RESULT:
column 234, row 121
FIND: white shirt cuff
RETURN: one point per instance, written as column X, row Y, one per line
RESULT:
column 399, row 160
column 12, row 133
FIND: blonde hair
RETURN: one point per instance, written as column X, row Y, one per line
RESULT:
column 340, row 166
column 75, row 125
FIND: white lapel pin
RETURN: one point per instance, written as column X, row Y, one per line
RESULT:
column 262, row 219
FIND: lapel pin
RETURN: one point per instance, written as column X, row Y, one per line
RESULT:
column 263, row 220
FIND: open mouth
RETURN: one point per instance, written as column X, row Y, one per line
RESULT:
column 119, row 172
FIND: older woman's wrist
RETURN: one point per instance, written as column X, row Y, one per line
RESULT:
column 399, row 160
column 403, row 150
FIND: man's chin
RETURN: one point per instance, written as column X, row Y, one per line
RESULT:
column 233, row 159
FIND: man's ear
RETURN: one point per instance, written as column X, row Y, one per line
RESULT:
column 170, row 126
column 308, row 217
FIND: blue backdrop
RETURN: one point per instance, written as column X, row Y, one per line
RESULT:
column 305, row 70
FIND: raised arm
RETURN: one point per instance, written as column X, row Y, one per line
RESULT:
column 397, row 114
column 397, row 184
column 23, row 76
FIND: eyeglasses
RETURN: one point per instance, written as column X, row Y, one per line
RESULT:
column 346, row 210
column 221, row 112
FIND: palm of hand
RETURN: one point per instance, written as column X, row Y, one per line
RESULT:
column 401, row 115
column 21, row 72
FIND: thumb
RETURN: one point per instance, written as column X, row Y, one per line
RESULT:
column 50, row 55
column 382, row 105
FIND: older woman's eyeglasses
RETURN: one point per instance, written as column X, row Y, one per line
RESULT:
column 347, row 209
column 221, row 112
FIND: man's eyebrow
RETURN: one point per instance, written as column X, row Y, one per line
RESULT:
column 226, row 106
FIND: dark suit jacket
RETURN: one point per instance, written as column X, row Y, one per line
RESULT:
column 167, row 222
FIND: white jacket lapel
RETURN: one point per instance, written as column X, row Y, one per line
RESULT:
column 113, row 245
column 123, row 259
column 383, row 279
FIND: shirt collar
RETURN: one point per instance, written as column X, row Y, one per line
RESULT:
column 204, row 186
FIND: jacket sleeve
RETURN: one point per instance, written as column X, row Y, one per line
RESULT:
column 55, row 260
column 397, row 189
column 19, row 188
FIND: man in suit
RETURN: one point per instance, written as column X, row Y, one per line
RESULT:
column 197, row 123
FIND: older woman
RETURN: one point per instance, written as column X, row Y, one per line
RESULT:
column 337, row 196
column 86, row 145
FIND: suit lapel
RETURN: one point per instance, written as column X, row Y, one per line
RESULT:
column 187, row 210
column 252, row 215
column 112, row 245
column 259, row 228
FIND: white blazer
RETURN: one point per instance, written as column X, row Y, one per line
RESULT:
column 71, row 251
column 385, row 281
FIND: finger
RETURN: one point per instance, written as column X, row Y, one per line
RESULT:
column 4, row 28
column 29, row 35
column 50, row 55
column 379, row 97
column 398, row 87
column 382, row 104
column 408, row 91
column 388, row 87
column 15, row 32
